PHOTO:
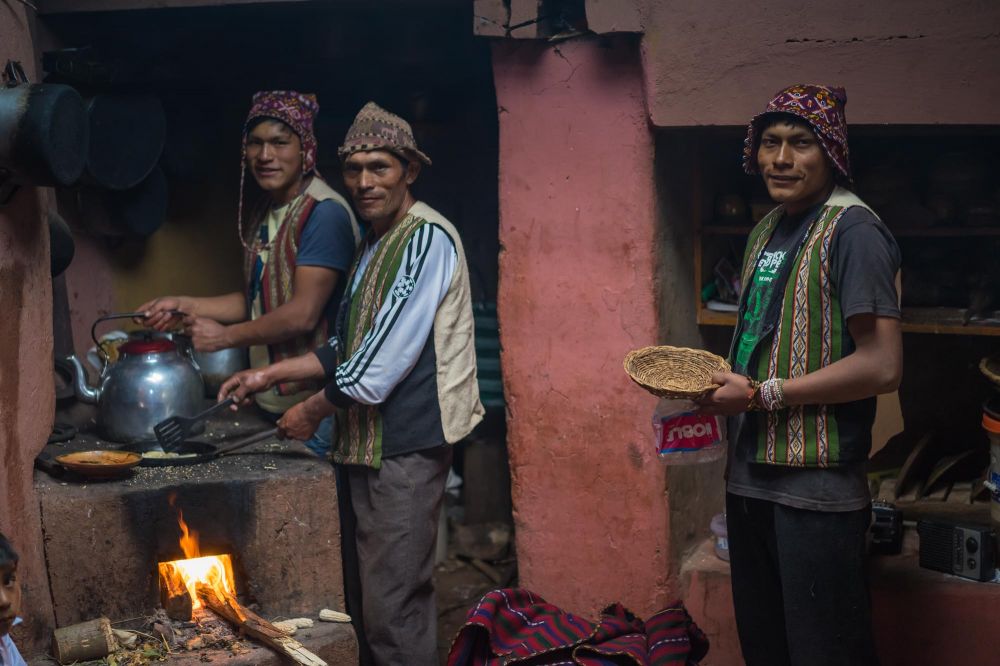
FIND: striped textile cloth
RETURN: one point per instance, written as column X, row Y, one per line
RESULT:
column 514, row 625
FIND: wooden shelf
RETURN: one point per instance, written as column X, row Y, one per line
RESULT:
column 930, row 232
column 938, row 321
column 708, row 317
column 946, row 321
column 946, row 232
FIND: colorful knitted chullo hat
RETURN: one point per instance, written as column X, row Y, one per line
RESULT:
column 295, row 109
column 374, row 128
column 820, row 106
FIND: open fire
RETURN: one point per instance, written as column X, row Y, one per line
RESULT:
column 206, row 582
column 179, row 579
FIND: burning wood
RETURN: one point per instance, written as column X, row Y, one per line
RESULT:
column 174, row 596
column 207, row 581
column 253, row 625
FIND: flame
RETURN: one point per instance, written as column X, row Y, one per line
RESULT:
column 213, row 570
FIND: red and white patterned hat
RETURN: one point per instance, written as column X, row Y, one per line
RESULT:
column 820, row 106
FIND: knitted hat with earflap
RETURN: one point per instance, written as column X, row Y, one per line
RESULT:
column 295, row 109
column 820, row 106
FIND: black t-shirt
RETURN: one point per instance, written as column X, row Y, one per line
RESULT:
column 863, row 264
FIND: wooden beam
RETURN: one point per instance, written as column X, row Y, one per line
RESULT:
column 77, row 6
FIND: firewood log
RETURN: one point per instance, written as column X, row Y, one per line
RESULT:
column 251, row 624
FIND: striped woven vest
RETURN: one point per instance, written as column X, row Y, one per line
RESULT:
column 808, row 335
column 359, row 439
column 277, row 279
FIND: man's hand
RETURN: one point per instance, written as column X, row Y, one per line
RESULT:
column 730, row 398
column 300, row 422
column 207, row 335
column 241, row 386
column 161, row 313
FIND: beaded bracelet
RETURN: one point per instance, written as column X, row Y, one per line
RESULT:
column 771, row 395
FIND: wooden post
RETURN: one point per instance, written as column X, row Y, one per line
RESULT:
column 253, row 625
column 81, row 642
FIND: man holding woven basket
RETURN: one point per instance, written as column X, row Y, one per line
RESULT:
column 818, row 337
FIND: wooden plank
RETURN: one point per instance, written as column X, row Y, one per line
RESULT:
column 77, row 6
column 946, row 232
column 708, row 317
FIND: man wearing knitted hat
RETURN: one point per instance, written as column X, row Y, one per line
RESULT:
column 402, row 378
column 817, row 338
column 299, row 243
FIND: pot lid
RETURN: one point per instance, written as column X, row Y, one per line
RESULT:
column 155, row 346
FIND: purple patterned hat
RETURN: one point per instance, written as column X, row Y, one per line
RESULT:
column 374, row 128
column 820, row 106
column 295, row 109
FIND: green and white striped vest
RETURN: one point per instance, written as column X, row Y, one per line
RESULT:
column 809, row 334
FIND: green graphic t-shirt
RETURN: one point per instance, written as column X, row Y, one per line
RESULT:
column 772, row 266
column 758, row 298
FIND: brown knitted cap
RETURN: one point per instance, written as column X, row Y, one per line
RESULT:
column 374, row 128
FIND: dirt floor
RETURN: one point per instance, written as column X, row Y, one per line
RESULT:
column 460, row 582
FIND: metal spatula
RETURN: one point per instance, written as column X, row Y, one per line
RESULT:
column 171, row 432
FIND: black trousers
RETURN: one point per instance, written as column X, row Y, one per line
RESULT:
column 800, row 586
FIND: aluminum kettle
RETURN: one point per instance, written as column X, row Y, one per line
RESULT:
column 152, row 380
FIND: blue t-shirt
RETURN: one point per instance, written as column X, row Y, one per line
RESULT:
column 327, row 241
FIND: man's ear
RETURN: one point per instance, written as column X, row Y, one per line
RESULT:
column 412, row 171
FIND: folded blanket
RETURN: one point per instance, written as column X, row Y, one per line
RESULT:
column 516, row 626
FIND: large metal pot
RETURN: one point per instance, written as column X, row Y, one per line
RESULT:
column 218, row 366
column 151, row 381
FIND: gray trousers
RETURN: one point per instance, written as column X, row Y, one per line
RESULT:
column 396, row 510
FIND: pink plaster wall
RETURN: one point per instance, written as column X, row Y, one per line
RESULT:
column 577, row 226
column 26, row 391
column 89, row 287
column 916, row 62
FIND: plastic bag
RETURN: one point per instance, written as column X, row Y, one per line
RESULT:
column 683, row 435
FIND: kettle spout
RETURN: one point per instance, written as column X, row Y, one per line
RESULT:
column 84, row 392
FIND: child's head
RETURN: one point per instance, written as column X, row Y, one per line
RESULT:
column 10, row 589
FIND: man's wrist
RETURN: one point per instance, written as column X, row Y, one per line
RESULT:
column 317, row 407
column 188, row 305
column 770, row 395
column 232, row 335
column 270, row 378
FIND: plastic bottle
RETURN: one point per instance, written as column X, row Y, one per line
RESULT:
column 684, row 436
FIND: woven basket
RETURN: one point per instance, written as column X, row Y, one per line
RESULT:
column 990, row 367
column 674, row 372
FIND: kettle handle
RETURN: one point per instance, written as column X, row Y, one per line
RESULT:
column 118, row 315
column 121, row 315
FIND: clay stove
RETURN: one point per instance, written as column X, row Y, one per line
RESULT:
column 272, row 511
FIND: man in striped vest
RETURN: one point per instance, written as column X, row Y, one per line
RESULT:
column 818, row 337
column 402, row 379
column 301, row 238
